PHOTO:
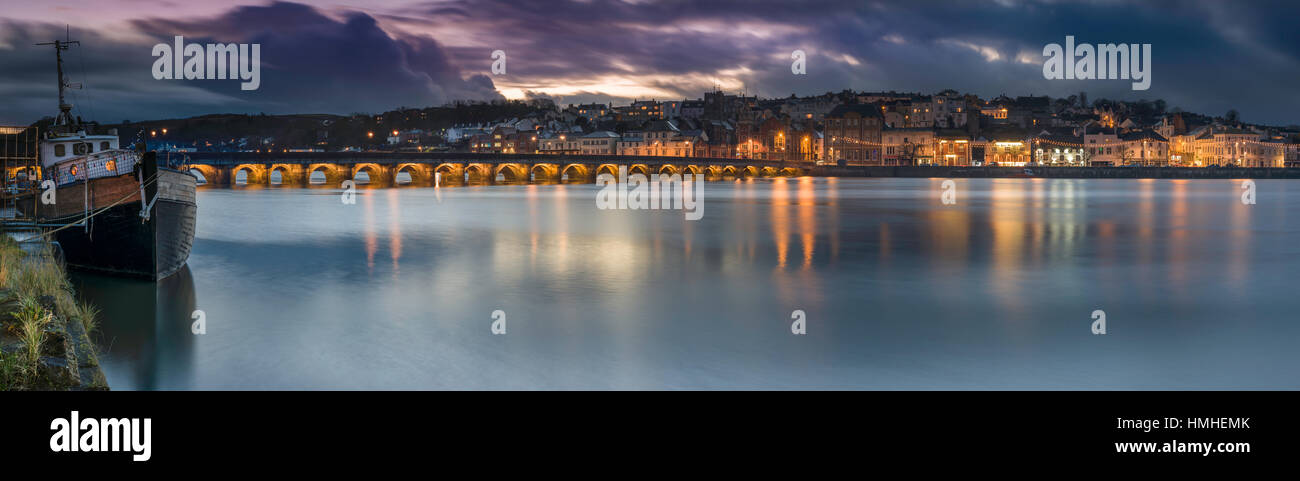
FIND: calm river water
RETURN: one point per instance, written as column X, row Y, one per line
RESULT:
column 300, row 291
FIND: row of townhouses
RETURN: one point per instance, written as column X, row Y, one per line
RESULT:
column 888, row 128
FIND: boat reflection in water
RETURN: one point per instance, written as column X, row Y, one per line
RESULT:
column 144, row 328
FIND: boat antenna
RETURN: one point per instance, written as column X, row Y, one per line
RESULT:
column 65, row 118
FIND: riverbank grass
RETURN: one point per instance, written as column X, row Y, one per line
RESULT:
column 39, row 345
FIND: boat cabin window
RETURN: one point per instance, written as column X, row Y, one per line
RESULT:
column 103, row 145
column 80, row 148
column 60, row 150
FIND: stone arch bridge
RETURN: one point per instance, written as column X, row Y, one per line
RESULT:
column 382, row 168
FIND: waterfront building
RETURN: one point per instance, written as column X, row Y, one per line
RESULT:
column 632, row 143
column 1104, row 148
column 952, row 147
column 908, row 146
column 1003, row 147
column 1060, row 148
column 1291, row 154
column 599, row 143
column 1144, row 148
column 1221, row 145
column 854, row 132
column 663, row 138
column 562, row 143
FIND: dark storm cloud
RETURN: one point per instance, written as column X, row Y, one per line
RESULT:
column 1208, row 55
column 310, row 63
column 115, row 75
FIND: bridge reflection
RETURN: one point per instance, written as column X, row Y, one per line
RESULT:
column 383, row 169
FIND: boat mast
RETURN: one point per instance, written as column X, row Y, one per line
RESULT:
column 65, row 118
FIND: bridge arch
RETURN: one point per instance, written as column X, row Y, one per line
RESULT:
column 575, row 173
column 749, row 171
column 639, row 169
column 376, row 175
column 545, row 171
column 479, row 173
column 790, row 172
column 421, row 174
column 290, row 174
column 667, row 169
column 207, row 174
column 729, row 171
column 768, row 172
column 448, row 172
column 610, row 169
column 511, row 172
column 714, row 171
column 333, row 174
column 692, row 170
column 254, row 174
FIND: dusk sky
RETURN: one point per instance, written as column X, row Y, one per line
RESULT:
column 341, row 56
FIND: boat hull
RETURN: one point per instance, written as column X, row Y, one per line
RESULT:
column 117, row 239
column 118, row 242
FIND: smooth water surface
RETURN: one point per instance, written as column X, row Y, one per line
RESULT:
column 301, row 291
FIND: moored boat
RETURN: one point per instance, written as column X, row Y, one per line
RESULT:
column 111, row 209
column 1024, row 174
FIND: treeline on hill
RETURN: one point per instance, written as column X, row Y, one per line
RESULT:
column 333, row 132
column 327, row 131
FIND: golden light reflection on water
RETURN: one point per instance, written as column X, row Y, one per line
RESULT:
column 562, row 221
column 1031, row 224
column 1176, row 258
column 743, row 223
column 949, row 231
column 394, row 228
column 833, row 208
column 530, row 196
column 1007, row 220
column 807, row 219
column 1242, row 220
column 368, row 227
column 1146, row 226
column 804, row 203
column 797, row 197
column 780, row 221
